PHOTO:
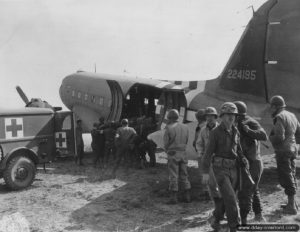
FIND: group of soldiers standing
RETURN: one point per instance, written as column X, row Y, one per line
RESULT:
column 113, row 142
column 230, row 161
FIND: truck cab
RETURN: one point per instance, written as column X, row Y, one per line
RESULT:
column 32, row 136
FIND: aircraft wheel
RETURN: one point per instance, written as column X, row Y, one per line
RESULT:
column 19, row 173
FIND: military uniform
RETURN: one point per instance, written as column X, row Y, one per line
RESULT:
column 175, row 142
column 79, row 145
column 201, row 122
column 283, row 140
column 226, row 147
column 124, row 142
column 250, row 137
column 98, row 144
column 201, row 146
column 146, row 145
column 109, row 136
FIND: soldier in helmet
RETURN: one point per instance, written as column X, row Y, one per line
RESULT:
column 286, row 129
column 211, row 123
column 224, row 152
column 123, row 141
column 175, row 141
column 200, row 116
column 251, row 133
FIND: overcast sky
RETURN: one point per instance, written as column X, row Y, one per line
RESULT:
column 42, row 41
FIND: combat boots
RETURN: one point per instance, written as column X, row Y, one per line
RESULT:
column 214, row 223
column 173, row 198
column 259, row 218
column 291, row 207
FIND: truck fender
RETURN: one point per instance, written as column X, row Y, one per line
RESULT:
column 20, row 151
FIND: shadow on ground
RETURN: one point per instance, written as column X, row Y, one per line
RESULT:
column 140, row 204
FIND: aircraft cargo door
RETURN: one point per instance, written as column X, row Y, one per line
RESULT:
column 170, row 99
column 116, row 105
column 65, row 134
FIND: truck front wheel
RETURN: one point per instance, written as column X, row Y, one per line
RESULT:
column 19, row 173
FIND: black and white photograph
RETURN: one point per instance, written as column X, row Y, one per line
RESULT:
column 149, row 115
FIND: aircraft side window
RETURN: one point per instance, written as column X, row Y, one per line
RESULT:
column 79, row 95
column 68, row 89
column 86, row 97
column 93, row 99
column 155, row 102
column 73, row 93
column 146, row 101
column 109, row 103
column 101, row 100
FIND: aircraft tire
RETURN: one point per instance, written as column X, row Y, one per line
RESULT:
column 19, row 173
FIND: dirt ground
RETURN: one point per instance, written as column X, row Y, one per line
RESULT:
column 72, row 198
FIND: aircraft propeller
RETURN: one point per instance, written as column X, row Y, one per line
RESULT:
column 22, row 94
column 35, row 102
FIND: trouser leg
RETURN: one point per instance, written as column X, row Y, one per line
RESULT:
column 212, row 185
column 173, row 169
column 219, row 210
column 151, row 153
column 286, row 174
column 183, row 175
column 80, row 153
column 227, row 182
column 256, row 170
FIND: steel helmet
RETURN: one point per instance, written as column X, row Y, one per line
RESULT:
column 124, row 122
column 173, row 115
column 228, row 108
column 211, row 111
column 242, row 107
column 277, row 101
column 200, row 114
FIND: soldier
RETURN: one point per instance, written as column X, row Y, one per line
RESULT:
column 283, row 136
column 175, row 141
column 109, row 136
column 98, row 143
column 200, row 116
column 224, row 144
column 147, row 145
column 79, row 143
column 211, row 123
column 251, row 133
column 123, row 141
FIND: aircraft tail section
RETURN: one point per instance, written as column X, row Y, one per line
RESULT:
column 244, row 74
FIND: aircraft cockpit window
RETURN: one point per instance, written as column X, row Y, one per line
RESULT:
column 86, row 97
column 73, row 93
column 79, row 95
column 101, row 101
column 128, row 97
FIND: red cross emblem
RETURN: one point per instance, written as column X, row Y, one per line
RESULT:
column 14, row 128
column 61, row 139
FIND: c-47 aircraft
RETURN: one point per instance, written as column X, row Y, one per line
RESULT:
column 264, row 63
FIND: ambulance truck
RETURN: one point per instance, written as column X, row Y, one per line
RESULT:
column 32, row 136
